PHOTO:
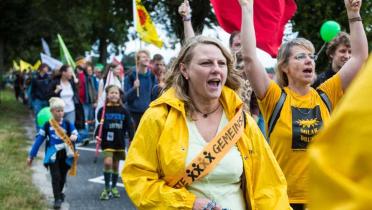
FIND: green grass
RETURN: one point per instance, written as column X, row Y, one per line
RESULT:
column 16, row 188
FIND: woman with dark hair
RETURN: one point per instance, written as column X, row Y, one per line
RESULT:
column 64, row 86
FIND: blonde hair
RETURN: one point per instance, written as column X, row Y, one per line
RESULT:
column 56, row 102
column 283, row 55
column 175, row 79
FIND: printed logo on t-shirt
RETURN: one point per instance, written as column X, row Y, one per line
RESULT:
column 110, row 136
column 305, row 124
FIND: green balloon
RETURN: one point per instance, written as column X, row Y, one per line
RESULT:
column 43, row 116
column 329, row 30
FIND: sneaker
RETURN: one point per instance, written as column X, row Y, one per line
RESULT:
column 57, row 204
column 115, row 192
column 105, row 195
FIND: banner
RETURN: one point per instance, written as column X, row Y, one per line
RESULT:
column 341, row 154
column 25, row 66
column 36, row 65
column 51, row 62
column 64, row 53
column 15, row 65
column 270, row 17
column 144, row 25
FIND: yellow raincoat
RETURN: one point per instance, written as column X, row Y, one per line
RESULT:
column 159, row 148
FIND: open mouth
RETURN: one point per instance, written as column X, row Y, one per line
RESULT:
column 308, row 71
column 214, row 82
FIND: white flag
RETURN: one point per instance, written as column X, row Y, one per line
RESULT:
column 51, row 62
column 45, row 47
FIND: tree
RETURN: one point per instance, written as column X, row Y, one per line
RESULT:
column 166, row 13
column 311, row 15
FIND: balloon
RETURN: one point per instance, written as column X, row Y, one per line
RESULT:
column 43, row 116
column 329, row 30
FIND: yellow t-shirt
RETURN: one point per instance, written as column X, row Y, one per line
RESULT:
column 300, row 119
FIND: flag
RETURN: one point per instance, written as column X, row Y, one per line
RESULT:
column 270, row 17
column 36, row 65
column 15, row 65
column 45, row 47
column 144, row 25
column 24, row 65
column 51, row 62
column 341, row 154
column 64, row 53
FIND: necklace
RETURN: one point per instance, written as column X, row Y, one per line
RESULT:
column 205, row 115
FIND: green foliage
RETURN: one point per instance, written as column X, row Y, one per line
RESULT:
column 311, row 15
column 81, row 23
column 166, row 13
column 17, row 190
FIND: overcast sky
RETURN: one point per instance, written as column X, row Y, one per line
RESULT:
column 132, row 46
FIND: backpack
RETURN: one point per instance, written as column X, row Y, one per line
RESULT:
column 279, row 105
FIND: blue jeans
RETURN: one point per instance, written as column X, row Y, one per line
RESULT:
column 70, row 116
column 89, row 116
column 37, row 105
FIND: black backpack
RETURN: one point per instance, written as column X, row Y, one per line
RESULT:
column 279, row 105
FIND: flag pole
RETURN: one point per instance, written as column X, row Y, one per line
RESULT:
column 135, row 28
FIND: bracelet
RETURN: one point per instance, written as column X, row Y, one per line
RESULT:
column 186, row 18
column 355, row 19
column 210, row 205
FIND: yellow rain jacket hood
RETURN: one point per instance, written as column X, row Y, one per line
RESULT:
column 158, row 152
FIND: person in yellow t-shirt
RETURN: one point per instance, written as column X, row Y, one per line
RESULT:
column 303, row 112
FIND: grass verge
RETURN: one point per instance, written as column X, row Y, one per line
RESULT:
column 16, row 188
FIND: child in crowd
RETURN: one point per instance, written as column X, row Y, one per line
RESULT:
column 116, row 122
column 60, row 154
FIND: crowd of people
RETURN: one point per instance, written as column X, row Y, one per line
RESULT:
column 212, row 130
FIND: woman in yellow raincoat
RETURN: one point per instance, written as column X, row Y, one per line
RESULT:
column 198, row 102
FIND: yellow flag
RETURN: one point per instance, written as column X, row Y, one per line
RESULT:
column 341, row 155
column 15, row 65
column 24, row 65
column 36, row 65
column 144, row 25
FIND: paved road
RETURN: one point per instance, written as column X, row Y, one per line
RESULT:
column 83, row 191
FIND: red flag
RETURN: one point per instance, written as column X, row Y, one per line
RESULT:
column 270, row 17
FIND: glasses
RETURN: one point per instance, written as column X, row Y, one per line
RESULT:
column 303, row 56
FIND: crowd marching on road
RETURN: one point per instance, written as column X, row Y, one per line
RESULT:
column 211, row 130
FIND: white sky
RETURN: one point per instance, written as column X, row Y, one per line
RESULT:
column 134, row 45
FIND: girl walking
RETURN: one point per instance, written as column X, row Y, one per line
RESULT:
column 116, row 122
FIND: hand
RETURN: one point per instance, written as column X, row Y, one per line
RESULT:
column 29, row 161
column 201, row 203
column 98, row 139
column 73, row 137
column 58, row 88
column 136, row 83
column 184, row 9
column 353, row 5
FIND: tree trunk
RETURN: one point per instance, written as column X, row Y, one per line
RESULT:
column 102, row 50
column 2, row 70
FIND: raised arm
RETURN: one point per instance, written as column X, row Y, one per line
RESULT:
column 185, row 11
column 358, row 42
column 255, row 70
